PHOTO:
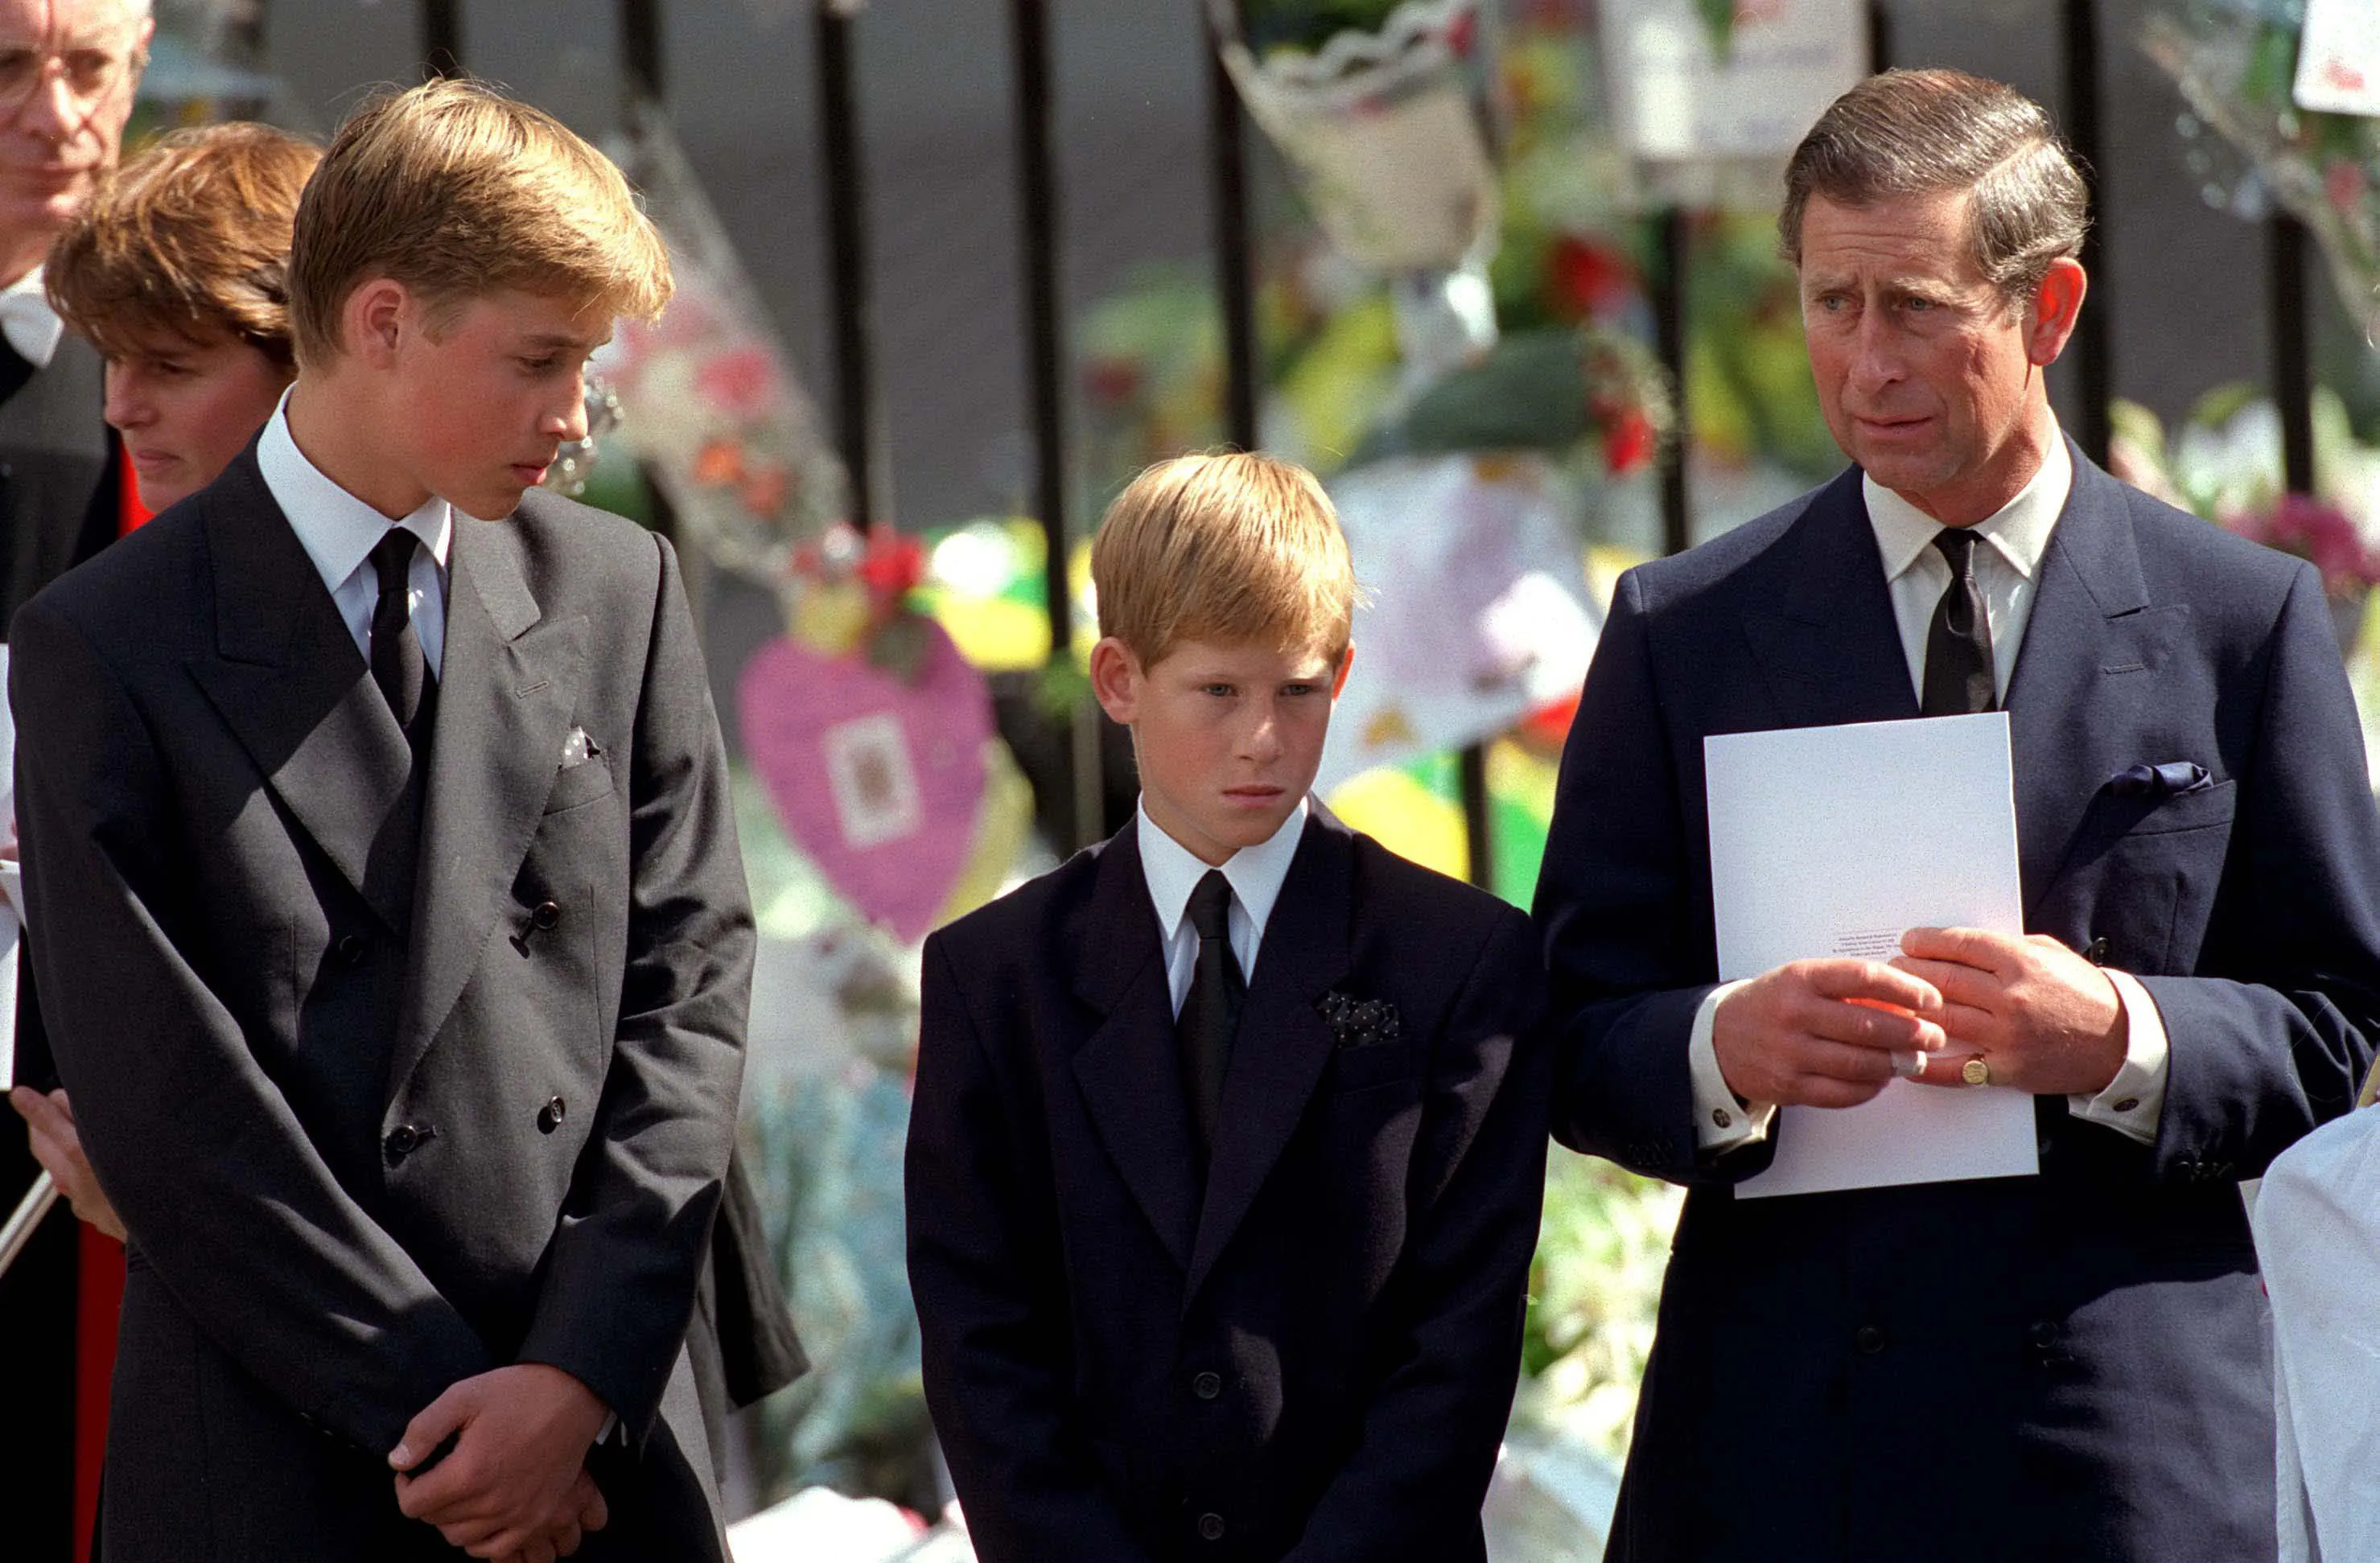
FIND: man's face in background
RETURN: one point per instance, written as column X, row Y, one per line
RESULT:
column 67, row 70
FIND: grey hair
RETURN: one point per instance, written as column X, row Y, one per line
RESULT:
column 1921, row 132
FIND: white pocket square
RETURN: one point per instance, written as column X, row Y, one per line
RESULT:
column 578, row 749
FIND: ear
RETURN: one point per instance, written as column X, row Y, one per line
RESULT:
column 2050, row 314
column 378, row 315
column 1346, row 663
column 1116, row 676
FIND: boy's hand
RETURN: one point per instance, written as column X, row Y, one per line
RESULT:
column 516, row 1480
column 59, row 1150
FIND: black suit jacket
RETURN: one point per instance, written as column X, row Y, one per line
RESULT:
column 2067, row 1366
column 1316, row 1361
column 371, row 1133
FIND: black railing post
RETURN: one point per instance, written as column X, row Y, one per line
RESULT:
column 2093, row 342
column 442, row 37
column 1673, row 252
column 2292, row 362
column 850, row 288
column 1235, row 251
column 640, row 48
column 1045, row 355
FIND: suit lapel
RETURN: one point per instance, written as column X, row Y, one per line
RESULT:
column 1126, row 1069
column 2087, row 643
column 289, row 682
column 508, row 684
column 1285, row 1045
column 1827, row 641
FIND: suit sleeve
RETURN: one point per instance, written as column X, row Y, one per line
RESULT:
column 620, row 1278
column 2276, row 1038
column 1435, row 1413
column 226, row 1199
column 988, row 1280
column 1618, row 914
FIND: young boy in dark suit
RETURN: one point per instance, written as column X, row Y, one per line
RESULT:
column 1228, row 1138
column 394, row 945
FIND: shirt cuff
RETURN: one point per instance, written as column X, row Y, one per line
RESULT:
column 2132, row 1101
column 1721, row 1122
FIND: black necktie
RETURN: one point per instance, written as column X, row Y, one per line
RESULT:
column 1211, row 1013
column 1958, row 643
column 397, row 665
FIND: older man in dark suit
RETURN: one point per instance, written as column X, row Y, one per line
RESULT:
column 2071, row 1365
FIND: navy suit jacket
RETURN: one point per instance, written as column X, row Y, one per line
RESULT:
column 1316, row 1363
column 2072, row 1365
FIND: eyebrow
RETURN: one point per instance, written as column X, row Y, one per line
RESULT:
column 560, row 342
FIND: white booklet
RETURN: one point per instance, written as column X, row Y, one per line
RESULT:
column 1833, row 840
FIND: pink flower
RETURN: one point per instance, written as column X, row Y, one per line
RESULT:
column 2320, row 533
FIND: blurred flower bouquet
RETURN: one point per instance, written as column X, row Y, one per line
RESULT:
column 2236, row 62
column 2303, row 525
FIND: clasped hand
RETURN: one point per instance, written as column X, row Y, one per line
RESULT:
column 1825, row 1032
column 515, row 1486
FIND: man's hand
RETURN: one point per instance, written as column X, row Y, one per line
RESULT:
column 1823, row 1033
column 2043, row 1018
column 59, row 1150
column 516, row 1482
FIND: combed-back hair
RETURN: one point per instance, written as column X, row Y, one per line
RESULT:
column 1919, row 132
column 457, row 191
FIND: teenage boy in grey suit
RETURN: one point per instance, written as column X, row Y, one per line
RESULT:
column 396, row 945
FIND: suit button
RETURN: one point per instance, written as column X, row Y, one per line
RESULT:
column 351, row 949
column 547, row 915
column 1211, row 1527
column 406, row 1138
column 2043, row 1334
column 1869, row 1338
column 2096, row 950
column 1206, row 1386
column 549, row 1117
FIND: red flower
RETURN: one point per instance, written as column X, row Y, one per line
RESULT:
column 893, row 565
column 720, row 461
column 1629, row 443
column 2321, row 533
column 1587, row 278
column 2342, row 183
column 1111, row 381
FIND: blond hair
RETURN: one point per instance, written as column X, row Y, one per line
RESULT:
column 190, row 239
column 457, row 191
column 1231, row 548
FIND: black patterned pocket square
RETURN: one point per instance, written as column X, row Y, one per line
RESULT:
column 2170, row 780
column 1360, row 1023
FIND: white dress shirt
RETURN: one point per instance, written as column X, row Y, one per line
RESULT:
column 1916, row 574
column 31, row 327
column 1173, row 871
column 338, row 532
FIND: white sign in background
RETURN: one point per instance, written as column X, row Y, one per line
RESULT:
column 2339, row 57
column 1675, row 101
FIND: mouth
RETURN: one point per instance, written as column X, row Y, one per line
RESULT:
column 1254, row 795
column 530, row 473
column 1890, row 428
column 151, row 461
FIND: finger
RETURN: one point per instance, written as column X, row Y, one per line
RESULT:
column 1950, row 1073
column 38, row 1111
column 1978, row 948
column 1843, row 1061
column 1871, row 979
column 434, row 1424
column 1958, row 984
column 568, row 1539
column 1975, row 1030
column 1863, row 1025
column 593, row 1512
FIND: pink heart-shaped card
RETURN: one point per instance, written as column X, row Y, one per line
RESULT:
column 877, row 778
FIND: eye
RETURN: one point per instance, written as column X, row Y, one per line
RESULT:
column 1221, row 691
column 546, row 364
column 1297, row 687
column 19, row 69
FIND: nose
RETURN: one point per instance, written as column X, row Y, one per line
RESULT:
column 128, row 405
column 1876, row 354
column 1260, row 738
column 568, row 422
column 52, row 114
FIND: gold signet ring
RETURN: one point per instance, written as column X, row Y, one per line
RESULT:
column 1975, row 1072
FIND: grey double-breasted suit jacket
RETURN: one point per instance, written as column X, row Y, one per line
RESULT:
column 373, row 1132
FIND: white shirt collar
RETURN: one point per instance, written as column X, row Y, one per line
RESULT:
column 31, row 327
column 2018, row 531
column 1256, row 873
column 336, row 530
